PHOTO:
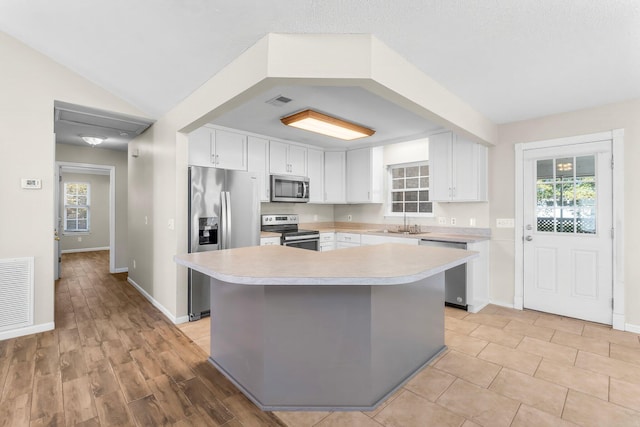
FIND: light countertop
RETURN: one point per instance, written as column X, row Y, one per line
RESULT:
column 385, row 264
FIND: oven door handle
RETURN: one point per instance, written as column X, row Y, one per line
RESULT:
column 296, row 238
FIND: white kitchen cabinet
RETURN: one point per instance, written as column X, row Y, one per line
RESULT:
column 335, row 177
column 365, row 175
column 347, row 240
column 457, row 169
column 258, row 163
column 218, row 148
column 315, row 172
column 287, row 159
column 373, row 239
column 270, row 241
column 327, row 241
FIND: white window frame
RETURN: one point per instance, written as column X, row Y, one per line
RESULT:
column 87, row 207
column 390, row 191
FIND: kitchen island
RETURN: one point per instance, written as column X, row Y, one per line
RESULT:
column 341, row 330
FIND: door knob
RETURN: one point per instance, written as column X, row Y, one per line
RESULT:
column 528, row 238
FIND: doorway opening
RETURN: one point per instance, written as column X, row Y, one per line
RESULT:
column 63, row 212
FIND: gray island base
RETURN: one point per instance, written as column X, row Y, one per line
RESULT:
column 341, row 341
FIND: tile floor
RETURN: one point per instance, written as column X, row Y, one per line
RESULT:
column 505, row 367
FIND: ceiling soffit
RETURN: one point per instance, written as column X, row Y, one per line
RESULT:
column 332, row 60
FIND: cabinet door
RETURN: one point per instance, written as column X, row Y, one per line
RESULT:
column 440, row 167
column 200, row 147
column 297, row 160
column 358, row 173
column 464, row 174
column 278, row 162
column 257, row 162
column 334, row 177
column 230, row 150
column 315, row 172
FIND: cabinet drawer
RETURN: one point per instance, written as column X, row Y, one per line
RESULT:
column 348, row 238
column 268, row 241
column 327, row 237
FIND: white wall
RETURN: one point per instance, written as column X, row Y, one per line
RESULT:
column 119, row 160
column 98, row 235
column 624, row 115
column 30, row 83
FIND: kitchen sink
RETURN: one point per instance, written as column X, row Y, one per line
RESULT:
column 391, row 231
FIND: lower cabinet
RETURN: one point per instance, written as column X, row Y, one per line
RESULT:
column 347, row 240
column 372, row 239
column 327, row 241
column 268, row 241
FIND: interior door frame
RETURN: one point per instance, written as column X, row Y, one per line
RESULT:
column 112, row 204
column 617, row 148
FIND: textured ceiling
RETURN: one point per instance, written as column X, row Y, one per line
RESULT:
column 509, row 59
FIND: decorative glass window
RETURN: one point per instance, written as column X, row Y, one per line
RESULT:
column 76, row 206
column 409, row 189
column 566, row 195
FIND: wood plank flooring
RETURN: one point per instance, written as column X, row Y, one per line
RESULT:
column 113, row 360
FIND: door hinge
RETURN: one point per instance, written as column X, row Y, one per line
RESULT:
column 612, row 163
column 611, row 303
column 59, row 178
column 613, row 232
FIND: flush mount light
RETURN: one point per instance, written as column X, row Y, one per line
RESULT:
column 93, row 140
column 326, row 125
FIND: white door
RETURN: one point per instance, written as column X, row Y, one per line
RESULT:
column 568, row 254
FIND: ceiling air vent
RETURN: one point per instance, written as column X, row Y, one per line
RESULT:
column 279, row 101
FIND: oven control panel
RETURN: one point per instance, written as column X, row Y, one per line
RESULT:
column 284, row 219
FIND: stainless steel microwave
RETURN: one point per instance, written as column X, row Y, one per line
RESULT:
column 287, row 188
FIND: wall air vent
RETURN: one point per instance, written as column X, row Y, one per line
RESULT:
column 279, row 101
column 16, row 289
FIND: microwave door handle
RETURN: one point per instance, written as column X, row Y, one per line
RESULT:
column 305, row 191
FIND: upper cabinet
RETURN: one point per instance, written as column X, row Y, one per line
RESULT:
column 365, row 175
column 258, row 162
column 218, row 148
column 315, row 172
column 458, row 169
column 287, row 159
column 335, row 177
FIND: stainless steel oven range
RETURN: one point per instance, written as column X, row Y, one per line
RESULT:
column 291, row 235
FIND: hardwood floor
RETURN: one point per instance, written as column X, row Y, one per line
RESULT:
column 113, row 360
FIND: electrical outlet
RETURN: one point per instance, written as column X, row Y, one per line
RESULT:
column 505, row 223
column 349, row 217
column 472, row 222
column 442, row 220
column 171, row 224
column 315, row 218
column 79, row 239
column 134, row 264
column 453, row 221
column 146, row 220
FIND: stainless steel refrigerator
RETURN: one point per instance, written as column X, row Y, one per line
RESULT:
column 224, row 213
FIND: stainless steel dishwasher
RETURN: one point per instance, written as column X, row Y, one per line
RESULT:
column 455, row 279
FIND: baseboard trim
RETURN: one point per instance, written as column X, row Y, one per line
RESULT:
column 154, row 302
column 74, row 251
column 121, row 270
column 28, row 330
column 502, row 304
column 632, row 328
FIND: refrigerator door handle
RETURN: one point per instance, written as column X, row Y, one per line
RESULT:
column 223, row 220
column 228, row 214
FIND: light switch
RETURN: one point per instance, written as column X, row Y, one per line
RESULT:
column 505, row 223
column 31, row 183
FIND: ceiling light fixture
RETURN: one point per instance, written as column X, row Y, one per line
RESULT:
column 93, row 140
column 326, row 125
